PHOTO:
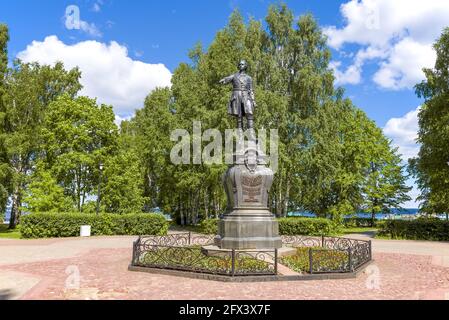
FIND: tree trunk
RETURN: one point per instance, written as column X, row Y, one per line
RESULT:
column 279, row 199
column 286, row 199
column 15, row 209
column 181, row 212
column 373, row 218
column 78, row 191
column 206, row 204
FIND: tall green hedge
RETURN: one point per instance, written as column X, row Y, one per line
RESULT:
column 307, row 226
column 288, row 226
column 419, row 229
column 56, row 225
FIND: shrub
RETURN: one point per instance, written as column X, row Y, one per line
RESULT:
column 359, row 222
column 307, row 226
column 209, row 226
column 56, row 225
column 330, row 259
column 287, row 226
column 419, row 229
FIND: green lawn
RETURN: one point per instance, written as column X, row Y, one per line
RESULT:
column 5, row 233
column 358, row 230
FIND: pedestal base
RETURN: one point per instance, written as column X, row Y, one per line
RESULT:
column 243, row 232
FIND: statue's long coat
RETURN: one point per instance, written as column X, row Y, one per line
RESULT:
column 242, row 99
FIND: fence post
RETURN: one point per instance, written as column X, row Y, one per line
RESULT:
column 276, row 261
column 310, row 261
column 233, row 262
column 190, row 237
column 350, row 259
column 134, row 252
column 370, row 250
column 322, row 241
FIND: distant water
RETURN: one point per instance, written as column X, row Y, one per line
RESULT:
column 395, row 214
column 7, row 216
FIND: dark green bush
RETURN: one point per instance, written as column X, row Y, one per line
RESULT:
column 359, row 222
column 307, row 226
column 287, row 226
column 209, row 226
column 419, row 229
column 58, row 225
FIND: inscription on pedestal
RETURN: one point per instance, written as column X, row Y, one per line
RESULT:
column 252, row 189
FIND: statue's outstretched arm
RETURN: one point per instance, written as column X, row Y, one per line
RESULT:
column 227, row 79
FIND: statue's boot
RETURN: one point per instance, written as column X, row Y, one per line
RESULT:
column 252, row 133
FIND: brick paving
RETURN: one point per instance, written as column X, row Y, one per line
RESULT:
column 102, row 263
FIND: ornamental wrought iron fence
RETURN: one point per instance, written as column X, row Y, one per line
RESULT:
column 188, row 252
column 194, row 253
column 332, row 254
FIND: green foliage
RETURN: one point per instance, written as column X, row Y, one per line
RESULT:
column 45, row 195
column 287, row 226
column 77, row 136
column 330, row 259
column 307, row 226
column 195, row 258
column 123, row 186
column 5, row 170
column 359, row 222
column 209, row 226
column 54, row 225
column 6, row 233
column 431, row 166
column 420, row 229
column 29, row 89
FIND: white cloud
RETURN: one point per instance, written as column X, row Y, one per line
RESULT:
column 399, row 33
column 108, row 73
column 404, row 132
column 352, row 75
column 90, row 28
column 96, row 7
column 414, row 193
column 118, row 120
column 404, row 66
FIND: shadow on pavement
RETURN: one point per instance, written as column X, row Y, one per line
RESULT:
column 6, row 294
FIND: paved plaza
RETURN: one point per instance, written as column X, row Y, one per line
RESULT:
column 96, row 268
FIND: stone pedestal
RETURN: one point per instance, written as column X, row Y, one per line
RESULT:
column 248, row 223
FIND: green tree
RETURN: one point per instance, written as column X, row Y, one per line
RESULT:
column 122, row 191
column 78, row 136
column 45, row 195
column 431, row 166
column 30, row 87
column 5, row 172
column 385, row 185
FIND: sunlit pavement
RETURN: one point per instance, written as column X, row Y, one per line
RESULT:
column 96, row 268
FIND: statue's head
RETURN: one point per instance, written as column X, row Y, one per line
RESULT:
column 243, row 65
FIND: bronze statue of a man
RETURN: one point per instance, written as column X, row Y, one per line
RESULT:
column 242, row 101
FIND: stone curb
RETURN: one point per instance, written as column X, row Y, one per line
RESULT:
column 263, row 278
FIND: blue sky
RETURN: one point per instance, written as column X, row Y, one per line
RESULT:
column 126, row 48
